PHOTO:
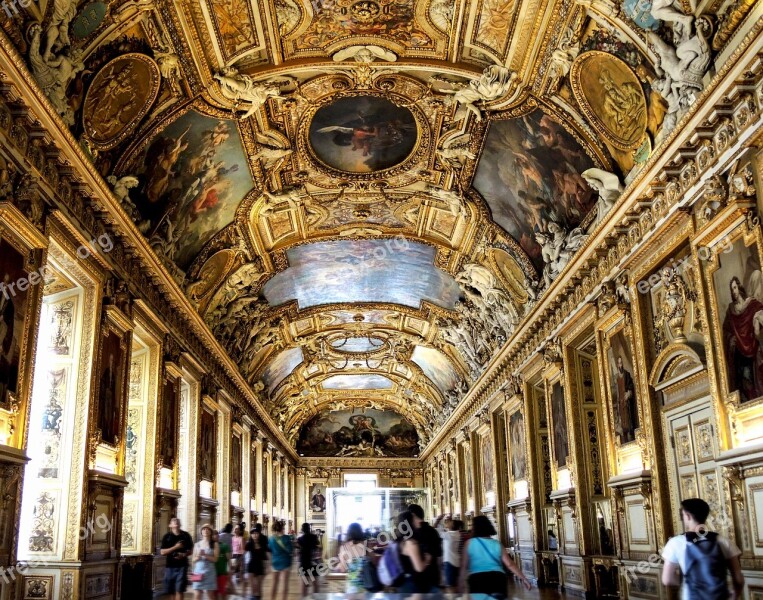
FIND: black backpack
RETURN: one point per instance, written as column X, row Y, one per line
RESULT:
column 706, row 567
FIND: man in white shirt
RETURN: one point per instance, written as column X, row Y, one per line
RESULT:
column 702, row 557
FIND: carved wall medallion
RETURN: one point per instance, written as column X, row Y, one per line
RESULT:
column 121, row 94
column 611, row 97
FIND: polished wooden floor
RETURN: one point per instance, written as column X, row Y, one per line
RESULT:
column 336, row 585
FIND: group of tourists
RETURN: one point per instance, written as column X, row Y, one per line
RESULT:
column 220, row 560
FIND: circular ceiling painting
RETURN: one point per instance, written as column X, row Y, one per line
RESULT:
column 362, row 134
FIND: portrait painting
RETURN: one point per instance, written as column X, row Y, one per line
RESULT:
column 395, row 271
column 207, row 446
column 559, row 419
column 488, row 464
column 235, row 463
column 529, row 174
column 469, row 473
column 13, row 310
column 738, row 287
column 517, row 446
column 170, row 425
column 622, row 389
column 110, row 390
column 192, row 177
column 374, row 433
column 264, row 478
column 362, row 134
column 318, row 498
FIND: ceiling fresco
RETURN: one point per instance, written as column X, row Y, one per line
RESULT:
column 394, row 271
column 353, row 192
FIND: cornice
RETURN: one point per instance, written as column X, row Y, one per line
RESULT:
column 722, row 121
column 100, row 212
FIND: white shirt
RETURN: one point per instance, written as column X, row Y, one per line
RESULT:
column 675, row 552
column 450, row 542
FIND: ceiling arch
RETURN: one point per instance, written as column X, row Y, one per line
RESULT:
column 362, row 199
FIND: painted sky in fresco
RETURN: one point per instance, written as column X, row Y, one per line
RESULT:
column 357, row 382
column 436, row 366
column 396, row 271
column 281, row 366
column 193, row 175
column 529, row 174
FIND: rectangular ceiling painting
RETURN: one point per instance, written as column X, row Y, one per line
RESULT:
column 529, row 174
column 397, row 271
column 192, row 178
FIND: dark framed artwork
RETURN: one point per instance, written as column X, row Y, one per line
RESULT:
column 264, row 478
column 518, row 441
column 253, row 472
column 14, row 304
column 170, row 420
column 559, row 420
column 318, row 498
column 111, row 382
column 235, row 463
column 622, row 388
column 207, row 445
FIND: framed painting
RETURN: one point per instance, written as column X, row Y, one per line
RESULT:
column 736, row 296
column 235, row 463
column 170, row 419
column 208, row 445
column 253, row 473
column 559, row 438
column 622, row 387
column 111, row 382
column 318, row 498
column 518, row 446
column 488, row 463
column 21, row 279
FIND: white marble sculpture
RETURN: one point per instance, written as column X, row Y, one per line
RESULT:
column 607, row 185
column 272, row 158
column 274, row 200
column 54, row 73
column 242, row 88
column 557, row 248
column 169, row 65
column 494, row 82
column 364, row 54
column 451, row 198
column 57, row 32
column 441, row 12
column 564, row 55
column 455, row 151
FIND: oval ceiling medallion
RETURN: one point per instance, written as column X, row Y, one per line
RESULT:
column 362, row 134
column 121, row 94
column 611, row 97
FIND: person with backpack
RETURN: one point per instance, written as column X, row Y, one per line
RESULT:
column 702, row 557
column 485, row 561
column 281, row 551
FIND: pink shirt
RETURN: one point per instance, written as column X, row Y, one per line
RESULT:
column 238, row 544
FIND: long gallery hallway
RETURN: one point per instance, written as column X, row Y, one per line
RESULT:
column 496, row 265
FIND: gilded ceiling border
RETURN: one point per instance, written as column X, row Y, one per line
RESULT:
column 668, row 179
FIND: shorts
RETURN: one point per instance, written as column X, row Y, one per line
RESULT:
column 493, row 583
column 175, row 580
column 222, row 584
column 451, row 575
column 255, row 567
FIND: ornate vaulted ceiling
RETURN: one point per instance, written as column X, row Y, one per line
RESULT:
column 362, row 198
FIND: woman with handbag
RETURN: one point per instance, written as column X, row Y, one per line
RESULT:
column 257, row 548
column 205, row 555
column 281, row 552
column 484, row 562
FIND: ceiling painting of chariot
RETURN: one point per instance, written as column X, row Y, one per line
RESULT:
column 362, row 134
column 529, row 174
column 348, row 433
column 191, row 177
column 396, row 271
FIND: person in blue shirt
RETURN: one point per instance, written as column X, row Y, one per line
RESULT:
column 281, row 553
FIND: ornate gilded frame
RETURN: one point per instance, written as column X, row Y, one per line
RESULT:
column 21, row 234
